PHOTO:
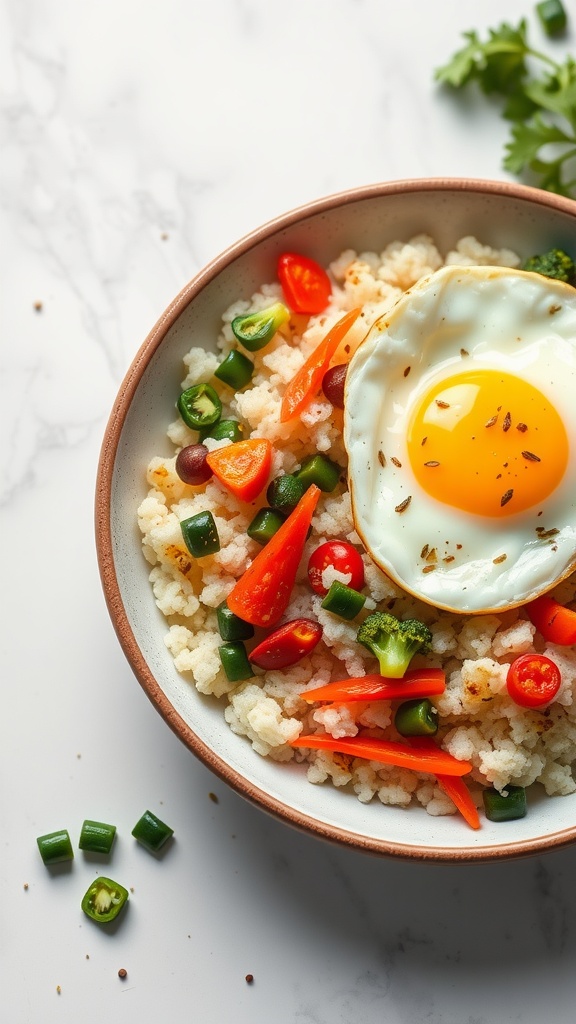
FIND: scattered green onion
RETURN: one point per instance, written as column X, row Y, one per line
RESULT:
column 151, row 832
column 416, row 718
column 265, row 524
column 55, row 847
column 199, row 406
column 231, row 626
column 284, row 493
column 552, row 16
column 235, row 661
column 104, row 899
column 255, row 330
column 96, row 836
column 200, row 534
column 505, row 806
column 319, row 470
column 235, row 370
column 343, row 601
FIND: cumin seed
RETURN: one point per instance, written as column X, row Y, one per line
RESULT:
column 396, row 462
column 407, row 371
column 432, row 464
column 491, row 421
column 521, row 427
column 381, row 458
column 531, row 457
column 424, row 551
column 403, row 504
column 428, row 568
column 448, row 558
column 506, row 497
column 423, row 441
column 499, row 558
column 441, row 404
column 507, row 422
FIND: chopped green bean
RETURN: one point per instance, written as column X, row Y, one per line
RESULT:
column 505, row 806
column 151, row 832
column 343, row 601
column 416, row 718
column 235, row 370
column 96, row 836
column 225, row 430
column 265, row 524
column 235, row 661
column 55, row 847
column 232, row 627
column 200, row 534
column 319, row 470
column 552, row 15
column 284, row 493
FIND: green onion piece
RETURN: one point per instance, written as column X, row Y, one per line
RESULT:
column 284, row 493
column 151, row 832
column 343, row 601
column 55, row 847
column 96, row 836
column 505, row 806
column 319, row 470
column 104, row 899
column 416, row 718
column 265, row 524
column 235, row 661
column 225, row 430
column 232, row 627
column 200, row 534
column 235, row 370
column 199, row 406
column 255, row 330
column 552, row 16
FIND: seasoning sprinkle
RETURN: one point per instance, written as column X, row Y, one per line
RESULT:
column 425, row 551
column 381, row 458
column 403, row 504
column 491, row 421
column 531, row 457
column 544, row 534
column 499, row 558
column 428, row 568
column 407, row 371
column 249, row 978
column 432, row 463
column 507, row 422
column 463, row 352
column 521, row 427
column 122, row 973
column 423, row 441
column 441, row 404
column 396, row 462
column 448, row 558
column 506, row 497
column 432, row 556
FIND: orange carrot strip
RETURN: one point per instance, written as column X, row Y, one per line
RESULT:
column 263, row 592
column 388, row 752
column 243, row 467
column 426, row 682
column 553, row 620
column 305, row 384
column 453, row 786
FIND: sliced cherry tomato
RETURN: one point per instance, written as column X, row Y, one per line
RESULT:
column 305, row 283
column 533, row 680
column 287, row 644
column 335, row 554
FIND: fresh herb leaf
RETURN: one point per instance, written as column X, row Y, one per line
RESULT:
column 539, row 96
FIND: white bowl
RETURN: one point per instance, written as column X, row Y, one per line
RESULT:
column 502, row 215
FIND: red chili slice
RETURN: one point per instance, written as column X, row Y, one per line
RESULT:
column 287, row 644
column 305, row 283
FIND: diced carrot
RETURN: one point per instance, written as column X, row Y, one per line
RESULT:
column 433, row 760
column 426, row 682
column 553, row 620
column 453, row 786
column 243, row 467
column 263, row 592
column 307, row 381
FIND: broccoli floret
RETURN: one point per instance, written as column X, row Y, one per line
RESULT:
column 393, row 642
column 554, row 263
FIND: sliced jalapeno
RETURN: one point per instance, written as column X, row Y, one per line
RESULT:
column 104, row 899
column 255, row 330
column 199, row 406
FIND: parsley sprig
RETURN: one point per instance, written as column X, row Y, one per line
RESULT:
column 539, row 100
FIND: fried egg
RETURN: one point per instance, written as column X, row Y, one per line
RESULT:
column 460, row 429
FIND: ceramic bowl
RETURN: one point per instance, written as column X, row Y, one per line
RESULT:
column 502, row 215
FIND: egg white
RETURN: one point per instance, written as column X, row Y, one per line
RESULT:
column 461, row 318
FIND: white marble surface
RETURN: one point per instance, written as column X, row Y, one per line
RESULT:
column 138, row 141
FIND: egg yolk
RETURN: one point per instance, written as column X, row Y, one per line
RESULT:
column 487, row 442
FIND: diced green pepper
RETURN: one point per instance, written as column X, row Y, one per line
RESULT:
column 225, row 430
column 284, row 493
column 55, row 847
column 200, row 534
column 235, row 661
column 416, row 718
column 96, row 836
column 232, row 627
column 104, row 899
column 265, row 524
column 319, row 470
column 343, row 601
column 552, row 16
column 255, row 330
column 151, row 832
column 199, row 406
column 235, row 370
column 505, row 806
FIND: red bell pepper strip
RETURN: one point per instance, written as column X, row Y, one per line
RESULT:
column 433, row 760
column 242, row 467
column 425, row 682
column 553, row 620
column 305, row 283
column 453, row 786
column 262, row 593
column 287, row 644
column 308, row 380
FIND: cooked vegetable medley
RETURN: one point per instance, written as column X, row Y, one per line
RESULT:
column 273, row 604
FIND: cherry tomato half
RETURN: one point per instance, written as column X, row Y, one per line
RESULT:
column 533, row 680
column 305, row 283
column 339, row 555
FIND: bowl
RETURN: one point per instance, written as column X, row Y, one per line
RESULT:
column 503, row 215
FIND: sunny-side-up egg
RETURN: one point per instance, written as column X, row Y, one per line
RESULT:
column 460, row 428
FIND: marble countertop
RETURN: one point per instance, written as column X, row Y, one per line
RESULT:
column 138, row 143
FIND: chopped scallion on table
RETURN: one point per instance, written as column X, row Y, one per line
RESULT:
column 96, row 836
column 55, row 847
column 151, row 832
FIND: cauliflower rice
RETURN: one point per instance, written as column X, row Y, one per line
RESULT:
column 505, row 743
